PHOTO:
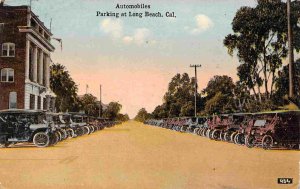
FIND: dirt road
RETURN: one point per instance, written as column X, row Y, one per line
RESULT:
column 134, row 156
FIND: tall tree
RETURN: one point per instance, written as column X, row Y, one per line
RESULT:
column 219, row 95
column 160, row 112
column 282, row 85
column 89, row 104
column 123, row 117
column 260, row 40
column 142, row 115
column 112, row 111
column 179, row 99
column 65, row 88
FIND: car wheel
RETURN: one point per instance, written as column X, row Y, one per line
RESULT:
column 227, row 136
column 215, row 135
column 60, row 137
column 41, row 139
column 249, row 141
column 86, row 130
column 267, row 142
column 232, row 137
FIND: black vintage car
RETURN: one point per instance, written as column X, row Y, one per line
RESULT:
column 19, row 126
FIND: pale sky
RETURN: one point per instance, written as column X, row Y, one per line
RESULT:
column 135, row 58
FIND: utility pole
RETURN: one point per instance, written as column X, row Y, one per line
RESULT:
column 100, row 107
column 291, row 51
column 196, row 85
column 86, row 89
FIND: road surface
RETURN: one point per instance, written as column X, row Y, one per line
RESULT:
column 135, row 156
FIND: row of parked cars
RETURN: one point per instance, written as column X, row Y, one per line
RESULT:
column 268, row 130
column 45, row 129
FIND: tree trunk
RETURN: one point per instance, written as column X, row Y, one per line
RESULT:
column 255, row 94
column 266, row 81
column 272, row 84
column 259, row 93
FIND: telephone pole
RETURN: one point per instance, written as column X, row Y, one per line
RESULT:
column 291, row 51
column 86, row 89
column 196, row 85
column 100, row 107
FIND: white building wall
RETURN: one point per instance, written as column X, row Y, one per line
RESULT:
column 35, row 90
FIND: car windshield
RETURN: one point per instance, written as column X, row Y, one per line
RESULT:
column 66, row 118
column 201, row 120
column 260, row 123
column 34, row 119
column 77, row 119
column 56, row 119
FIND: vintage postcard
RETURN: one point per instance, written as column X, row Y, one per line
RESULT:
column 150, row 94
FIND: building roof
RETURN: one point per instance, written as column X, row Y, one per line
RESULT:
column 26, row 7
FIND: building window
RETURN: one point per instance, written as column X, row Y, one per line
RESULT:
column 39, row 103
column 1, row 27
column 32, row 102
column 31, row 64
column 7, row 75
column 12, row 100
column 44, row 103
column 8, row 50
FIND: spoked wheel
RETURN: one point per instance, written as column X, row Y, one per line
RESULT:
column 62, row 134
column 60, row 137
column 182, row 129
column 41, row 139
column 199, row 131
column 221, row 137
column 249, row 141
column 195, row 131
column 227, row 136
column 79, row 131
column 92, row 129
column 86, row 130
column 207, row 133
column 267, row 142
column 203, row 132
column 239, row 139
column 215, row 135
column 71, row 133
column 232, row 137
column 54, row 138
column 65, row 135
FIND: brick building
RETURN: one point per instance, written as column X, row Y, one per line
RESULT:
column 25, row 50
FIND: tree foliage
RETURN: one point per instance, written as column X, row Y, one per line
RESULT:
column 89, row 104
column 112, row 111
column 179, row 99
column 260, row 40
column 282, row 85
column 123, row 117
column 219, row 95
column 142, row 115
column 65, row 89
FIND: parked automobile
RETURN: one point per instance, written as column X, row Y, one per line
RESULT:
column 275, row 129
column 267, row 130
column 19, row 126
